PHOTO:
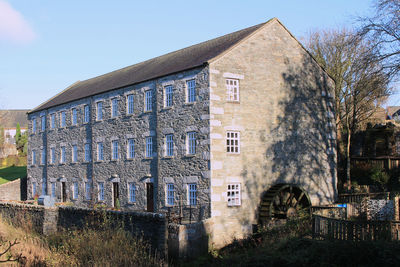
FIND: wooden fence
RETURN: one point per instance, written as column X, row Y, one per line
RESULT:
column 387, row 163
column 358, row 197
column 339, row 229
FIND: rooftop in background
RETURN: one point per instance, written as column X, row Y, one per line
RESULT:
column 183, row 59
column 10, row 117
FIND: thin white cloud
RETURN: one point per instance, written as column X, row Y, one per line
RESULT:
column 13, row 26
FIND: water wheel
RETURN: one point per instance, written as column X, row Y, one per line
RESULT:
column 283, row 201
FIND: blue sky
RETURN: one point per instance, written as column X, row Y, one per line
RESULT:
column 46, row 45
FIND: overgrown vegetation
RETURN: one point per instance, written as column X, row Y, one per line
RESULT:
column 292, row 245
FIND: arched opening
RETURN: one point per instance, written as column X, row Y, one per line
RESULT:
column 283, row 201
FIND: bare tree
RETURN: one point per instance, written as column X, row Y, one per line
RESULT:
column 384, row 29
column 7, row 254
column 360, row 82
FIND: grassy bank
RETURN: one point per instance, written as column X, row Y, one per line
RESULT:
column 11, row 173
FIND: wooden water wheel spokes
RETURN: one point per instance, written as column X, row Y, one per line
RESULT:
column 283, row 201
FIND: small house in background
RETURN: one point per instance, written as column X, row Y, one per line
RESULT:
column 8, row 123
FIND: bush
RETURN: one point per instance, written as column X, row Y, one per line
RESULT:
column 379, row 177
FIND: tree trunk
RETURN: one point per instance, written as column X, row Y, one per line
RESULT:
column 348, row 159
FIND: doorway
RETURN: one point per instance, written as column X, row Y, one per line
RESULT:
column 63, row 192
column 150, row 197
column 116, row 203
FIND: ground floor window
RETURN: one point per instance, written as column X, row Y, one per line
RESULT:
column 192, row 194
column 101, row 191
column 75, row 190
column 132, row 192
column 33, row 189
column 233, row 194
column 170, row 194
column 88, row 191
column 53, row 190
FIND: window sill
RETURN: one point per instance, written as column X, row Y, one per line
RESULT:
column 189, row 155
column 61, row 163
column 167, row 108
column 233, row 101
column 232, row 154
column 129, row 159
column 148, row 158
column 168, row 157
column 99, row 161
column 189, row 103
column 114, row 160
column 148, row 112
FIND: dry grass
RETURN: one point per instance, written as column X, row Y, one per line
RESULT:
column 33, row 249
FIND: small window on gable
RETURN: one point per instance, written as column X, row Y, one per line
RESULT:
column 190, row 91
column 233, row 195
column 233, row 142
column 232, row 89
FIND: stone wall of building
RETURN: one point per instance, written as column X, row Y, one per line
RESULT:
column 285, row 119
column 180, row 169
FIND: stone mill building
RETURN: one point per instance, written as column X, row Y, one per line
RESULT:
column 232, row 132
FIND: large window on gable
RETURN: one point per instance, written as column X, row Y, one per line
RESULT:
column 232, row 89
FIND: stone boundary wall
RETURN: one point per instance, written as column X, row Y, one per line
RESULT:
column 44, row 220
column 11, row 190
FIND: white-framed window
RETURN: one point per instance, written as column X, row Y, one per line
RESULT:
column 170, row 194
column 233, row 142
column 168, row 96
column 169, row 145
column 33, row 157
column 43, row 159
column 87, row 152
column 233, row 195
column 34, row 191
column 43, row 119
column 191, row 143
column 114, row 155
column 74, row 153
column 148, row 95
column 63, row 155
column 149, row 147
column 192, row 194
column 190, row 91
column 52, row 121
column 88, row 193
column 86, row 114
column 132, row 192
column 53, row 190
column 232, row 89
column 114, row 107
column 129, row 104
column 34, row 125
column 100, row 151
column 74, row 116
column 131, row 148
column 101, row 191
column 75, row 192
column 99, row 115
column 52, row 155
column 63, row 119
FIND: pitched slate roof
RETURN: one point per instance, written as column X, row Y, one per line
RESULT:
column 180, row 60
column 10, row 117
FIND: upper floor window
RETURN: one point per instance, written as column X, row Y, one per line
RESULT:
column 233, row 142
column 34, row 125
column 63, row 119
column 114, row 107
column 190, row 91
column 115, row 150
column 86, row 113
column 168, row 96
column 74, row 153
column 100, row 148
column 52, row 121
column 130, row 104
column 33, row 157
column 43, row 119
column 148, row 100
column 74, row 116
column 233, row 194
column 52, row 155
column 87, row 152
column 132, row 192
column 149, row 147
column 169, row 145
column 170, row 194
column 99, row 106
column 63, row 155
column 232, row 89
column 43, row 160
column 101, row 191
column 131, row 148
column 191, row 143
column 192, row 194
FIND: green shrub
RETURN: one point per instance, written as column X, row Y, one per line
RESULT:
column 379, row 177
